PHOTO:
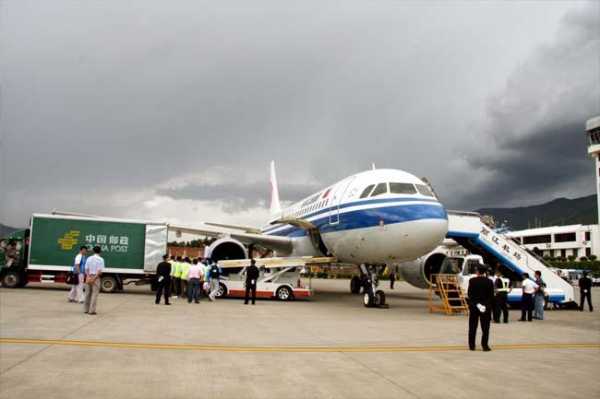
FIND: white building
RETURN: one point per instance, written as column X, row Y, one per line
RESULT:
column 592, row 129
column 561, row 241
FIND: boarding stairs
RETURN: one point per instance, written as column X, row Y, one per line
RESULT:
column 447, row 288
column 467, row 229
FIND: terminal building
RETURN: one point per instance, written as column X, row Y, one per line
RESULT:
column 561, row 241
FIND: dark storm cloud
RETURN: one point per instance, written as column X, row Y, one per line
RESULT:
column 543, row 161
column 536, row 147
column 105, row 103
column 238, row 196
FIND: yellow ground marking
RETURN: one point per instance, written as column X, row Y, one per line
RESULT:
column 234, row 348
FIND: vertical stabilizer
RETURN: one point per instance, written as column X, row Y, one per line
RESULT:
column 275, row 204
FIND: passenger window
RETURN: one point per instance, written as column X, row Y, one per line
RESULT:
column 425, row 190
column 367, row 191
column 402, row 188
column 382, row 188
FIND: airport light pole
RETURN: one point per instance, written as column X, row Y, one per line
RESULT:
column 592, row 128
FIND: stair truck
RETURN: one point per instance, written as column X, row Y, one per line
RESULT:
column 46, row 250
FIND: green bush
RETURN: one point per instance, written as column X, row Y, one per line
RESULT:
column 592, row 265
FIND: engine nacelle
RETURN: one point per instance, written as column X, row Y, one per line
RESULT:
column 225, row 249
column 418, row 272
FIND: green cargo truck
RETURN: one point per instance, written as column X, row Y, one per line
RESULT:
column 47, row 249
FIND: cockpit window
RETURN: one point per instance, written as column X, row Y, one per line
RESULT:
column 425, row 190
column 402, row 188
column 367, row 191
column 381, row 188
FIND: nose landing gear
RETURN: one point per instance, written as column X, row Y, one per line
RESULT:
column 368, row 281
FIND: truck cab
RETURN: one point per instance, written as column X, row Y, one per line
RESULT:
column 13, row 259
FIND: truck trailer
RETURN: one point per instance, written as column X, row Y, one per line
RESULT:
column 131, row 249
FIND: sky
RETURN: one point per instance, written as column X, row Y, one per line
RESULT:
column 172, row 111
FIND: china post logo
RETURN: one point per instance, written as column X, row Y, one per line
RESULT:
column 69, row 240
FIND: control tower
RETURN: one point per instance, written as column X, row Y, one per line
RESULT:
column 592, row 128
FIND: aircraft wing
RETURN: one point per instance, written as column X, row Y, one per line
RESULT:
column 245, row 229
column 268, row 263
column 276, row 243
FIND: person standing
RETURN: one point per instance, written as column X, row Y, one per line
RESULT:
column 163, row 272
column 539, row 297
column 177, row 277
column 185, row 268
column 252, row 274
column 392, row 277
column 172, row 290
column 76, row 293
column 481, row 294
column 94, row 266
column 585, row 292
column 501, row 289
column 214, row 275
column 194, row 276
column 529, row 288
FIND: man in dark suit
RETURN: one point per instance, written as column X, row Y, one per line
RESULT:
column 163, row 275
column 481, row 298
column 585, row 291
column 252, row 274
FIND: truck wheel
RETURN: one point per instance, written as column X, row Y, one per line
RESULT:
column 108, row 284
column 222, row 291
column 11, row 279
column 283, row 293
column 355, row 285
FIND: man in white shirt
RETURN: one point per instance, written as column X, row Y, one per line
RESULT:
column 529, row 288
column 94, row 267
column 76, row 293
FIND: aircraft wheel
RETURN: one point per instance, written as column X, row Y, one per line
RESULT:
column 355, row 285
column 380, row 298
column 368, row 300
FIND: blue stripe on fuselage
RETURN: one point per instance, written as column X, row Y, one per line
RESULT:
column 374, row 201
column 370, row 217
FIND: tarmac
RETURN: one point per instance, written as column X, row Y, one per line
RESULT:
column 327, row 347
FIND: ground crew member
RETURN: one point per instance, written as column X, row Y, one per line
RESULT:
column 585, row 291
column 177, row 277
column 252, row 274
column 501, row 289
column 163, row 271
column 481, row 295
column 539, row 297
column 213, row 275
column 529, row 288
column 11, row 254
column 185, row 268
column 392, row 277
column 94, row 266
column 194, row 276
column 76, row 293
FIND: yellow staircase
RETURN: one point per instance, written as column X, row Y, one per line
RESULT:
column 447, row 288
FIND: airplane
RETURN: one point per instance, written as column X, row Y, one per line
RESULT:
column 371, row 219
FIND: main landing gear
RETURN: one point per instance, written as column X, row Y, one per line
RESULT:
column 368, row 282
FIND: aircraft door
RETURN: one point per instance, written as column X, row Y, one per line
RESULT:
column 339, row 194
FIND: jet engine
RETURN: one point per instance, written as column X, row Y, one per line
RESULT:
column 418, row 272
column 225, row 249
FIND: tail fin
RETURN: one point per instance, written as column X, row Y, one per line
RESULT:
column 275, row 204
